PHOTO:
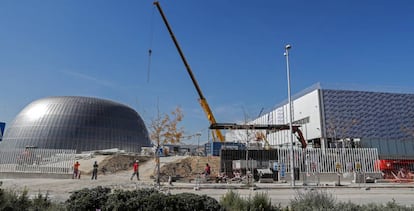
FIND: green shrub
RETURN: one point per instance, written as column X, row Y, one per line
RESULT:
column 129, row 200
column 12, row 200
column 210, row 203
column 322, row 200
column 156, row 201
column 232, row 201
column 151, row 199
column 43, row 202
column 3, row 199
column 88, row 199
column 191, row 201
column 349, row 206
column 6, row 198
column 389, row 206
column 392, row 205
column 260, row 201
column 119, row 200
column 313, row 200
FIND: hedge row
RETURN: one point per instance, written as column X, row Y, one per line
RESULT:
column 101, row 198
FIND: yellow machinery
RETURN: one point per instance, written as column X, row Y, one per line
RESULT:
column 203, row 102
column 260, row 136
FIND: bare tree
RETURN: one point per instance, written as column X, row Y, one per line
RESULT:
column 164, row 128
column 340, row 129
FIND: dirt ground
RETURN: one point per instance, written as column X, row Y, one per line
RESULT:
column 181, row 167
column 117, row 175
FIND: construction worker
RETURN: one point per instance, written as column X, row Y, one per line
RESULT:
column 136, row 170
column 95, row 171
column 76, row 172
column 207, row 170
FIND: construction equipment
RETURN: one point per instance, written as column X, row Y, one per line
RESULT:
column 301, row 139
column 396, row 170
column 202, row 100
column 267, row 127
column 260, row 136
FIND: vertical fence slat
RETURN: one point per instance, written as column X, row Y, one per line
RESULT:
column 51, row 161
column 325, row 160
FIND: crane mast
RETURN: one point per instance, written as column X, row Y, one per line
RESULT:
column 202, row 100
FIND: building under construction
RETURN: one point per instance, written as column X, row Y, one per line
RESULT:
column 323, row 120
column 344, row 120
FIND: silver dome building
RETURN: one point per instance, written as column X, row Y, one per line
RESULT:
column 80, row 123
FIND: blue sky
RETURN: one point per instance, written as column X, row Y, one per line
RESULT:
column 235, row 48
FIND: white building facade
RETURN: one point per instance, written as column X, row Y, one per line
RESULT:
column 330, row 118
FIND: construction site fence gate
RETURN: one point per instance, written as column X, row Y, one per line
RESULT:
column 332, row 160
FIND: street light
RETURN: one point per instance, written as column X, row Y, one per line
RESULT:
column 292, row 175
column 198, row 142
column 197, row 186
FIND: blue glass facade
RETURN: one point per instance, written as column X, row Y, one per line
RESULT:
column 368, row 115
column 81, row 123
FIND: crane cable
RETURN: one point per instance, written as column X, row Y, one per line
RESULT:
column 150, row 44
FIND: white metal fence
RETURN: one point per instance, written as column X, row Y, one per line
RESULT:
column 331, row 160
column 52, row 161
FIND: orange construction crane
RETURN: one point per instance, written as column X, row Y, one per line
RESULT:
column 202, row 100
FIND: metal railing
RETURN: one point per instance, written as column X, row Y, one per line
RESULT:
column 332, row 160
column 27, row 160
column 316, row 160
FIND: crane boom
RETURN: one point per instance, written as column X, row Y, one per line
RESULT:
column 203, row 102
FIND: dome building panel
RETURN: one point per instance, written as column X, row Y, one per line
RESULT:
column 81, row 123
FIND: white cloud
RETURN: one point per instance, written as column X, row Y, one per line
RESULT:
column 89, row 78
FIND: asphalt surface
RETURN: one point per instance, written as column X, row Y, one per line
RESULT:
column 280, row 193
column 403, row 194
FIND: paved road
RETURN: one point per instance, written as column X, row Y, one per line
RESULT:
column 61, row 189
column 401, row 195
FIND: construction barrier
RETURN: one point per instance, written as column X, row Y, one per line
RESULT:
column 316, row 160
column 331, row 160
column 35, row 160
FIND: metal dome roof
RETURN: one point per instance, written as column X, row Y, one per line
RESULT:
column 81, row 123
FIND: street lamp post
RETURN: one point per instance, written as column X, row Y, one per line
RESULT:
column 292, row 175
column 157, row 159
column 198, row 142
column 197, row 186
column 247, row 159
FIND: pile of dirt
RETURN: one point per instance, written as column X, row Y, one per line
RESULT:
column 112, row 163
column 188, row 168
column 177, row 169
column 122, row 162
column 183, row 168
